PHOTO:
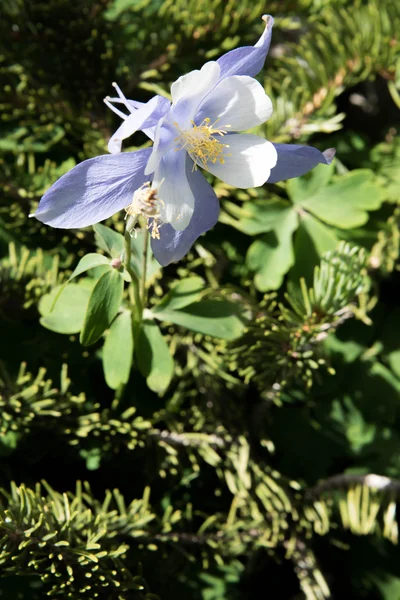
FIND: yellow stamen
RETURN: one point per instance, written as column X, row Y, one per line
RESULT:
column 201, row 144
column 146, row 203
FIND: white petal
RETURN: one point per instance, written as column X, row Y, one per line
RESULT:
column 130, row 125
column 195, row 82
column 238, row 103
column 177, row 200
column 163, row 141
column 248, row 161
column 189, row 90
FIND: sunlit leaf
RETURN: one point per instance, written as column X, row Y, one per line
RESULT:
column 257, row 217
column 109, row 240
column 69, row 310
column 345, row 203
column 302, row 188
column 89, row 261
column 272, row 255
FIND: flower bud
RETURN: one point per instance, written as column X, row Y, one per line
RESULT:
column 116, row 263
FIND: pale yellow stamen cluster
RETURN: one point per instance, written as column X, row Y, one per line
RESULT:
column 201, row 144
column 145, row 203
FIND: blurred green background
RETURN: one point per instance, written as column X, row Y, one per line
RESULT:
column 241, row 461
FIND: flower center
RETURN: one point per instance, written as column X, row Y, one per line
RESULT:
column 145, row 203
column 201, row 144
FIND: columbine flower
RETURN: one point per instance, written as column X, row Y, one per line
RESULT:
column 199, row 130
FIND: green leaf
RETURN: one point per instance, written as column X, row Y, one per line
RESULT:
column 104, row 303
column 118, row 351
column 301, row 188
column 68, row 313
column 272, row 255
column 89, row 261
column 258, row 216
column 185, row 292
column 312, row 239
column 218, row 318
column 322, row 238
column 108, row 240
column 345, row 203
column 153, row 357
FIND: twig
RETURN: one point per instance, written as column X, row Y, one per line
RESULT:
column 191, row 440
column 372, row 481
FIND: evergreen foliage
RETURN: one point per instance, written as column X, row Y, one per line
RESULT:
column 245, row 440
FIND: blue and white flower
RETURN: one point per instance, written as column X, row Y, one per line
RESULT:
column 198, row 130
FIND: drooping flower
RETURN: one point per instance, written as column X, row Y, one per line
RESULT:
column 198, row 130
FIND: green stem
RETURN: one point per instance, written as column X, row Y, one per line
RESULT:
column 144, row 268
column 119, row 392
column 135, row 280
